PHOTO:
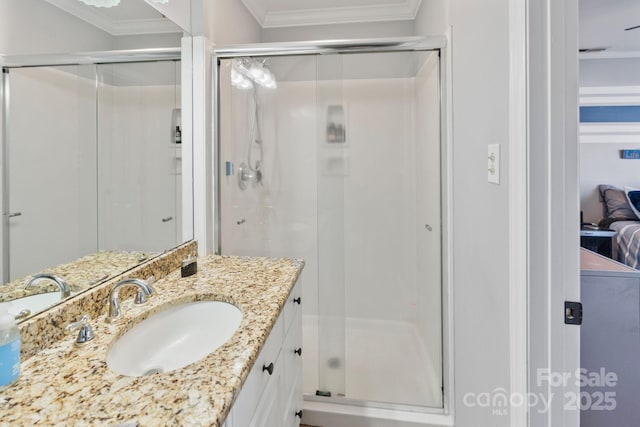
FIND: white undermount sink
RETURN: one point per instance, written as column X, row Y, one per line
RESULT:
column 35, row 303
column 174, row 338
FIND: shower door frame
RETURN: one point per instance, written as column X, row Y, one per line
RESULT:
column 400, row 44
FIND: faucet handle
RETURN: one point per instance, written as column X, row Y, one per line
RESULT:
column 141, row 297
column 24, row 313
column 85, row 331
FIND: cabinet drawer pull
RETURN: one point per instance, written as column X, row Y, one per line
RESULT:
column 268, row 368
column 299, row 414
column 298, row 300
column 298, row 351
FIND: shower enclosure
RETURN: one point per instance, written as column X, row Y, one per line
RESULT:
column 338, row 161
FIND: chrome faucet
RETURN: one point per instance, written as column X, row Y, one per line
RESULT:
column 62, row 285
column 144, row 291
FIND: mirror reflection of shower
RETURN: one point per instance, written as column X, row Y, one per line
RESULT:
column 251, row 74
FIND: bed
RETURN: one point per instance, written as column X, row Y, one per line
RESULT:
column 627, row 241
column 619, row 215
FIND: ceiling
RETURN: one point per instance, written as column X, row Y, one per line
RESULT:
column 602, row 25
column 127, row 18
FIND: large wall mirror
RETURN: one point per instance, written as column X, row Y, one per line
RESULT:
column 92, row 172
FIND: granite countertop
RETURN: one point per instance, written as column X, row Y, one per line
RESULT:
column 69, row 385
column 79, row 274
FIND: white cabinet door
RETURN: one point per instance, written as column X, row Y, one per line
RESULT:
column 292, row 355
column 273, row 400
column 270, row 408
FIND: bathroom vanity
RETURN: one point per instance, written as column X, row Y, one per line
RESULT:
column 272, row 393
column 253, row 379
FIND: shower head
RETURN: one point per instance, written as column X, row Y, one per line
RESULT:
column 246, row 72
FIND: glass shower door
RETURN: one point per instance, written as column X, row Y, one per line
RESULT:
column 332, row 170
column 340, row 166
column 50, row 167
column 139, row 158
column 379, row 228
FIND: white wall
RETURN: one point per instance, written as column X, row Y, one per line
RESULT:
column 480, row 82
column 432, row 18
column 144, row 41
column 481, row 240
column 35, row 26
column 223, row 22
column 177, row 11
column 610, row 72
column 233, row 24
column 339, row 31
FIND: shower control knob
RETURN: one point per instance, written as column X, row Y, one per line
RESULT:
column 268, row 368
column 298, row 351
column 299, row 414
column 298, row 300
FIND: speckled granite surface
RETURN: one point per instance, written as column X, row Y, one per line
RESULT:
column 38, row 332
column 67, row 385
column 80, row 274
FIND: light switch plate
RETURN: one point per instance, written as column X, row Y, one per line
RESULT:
column 493, row 163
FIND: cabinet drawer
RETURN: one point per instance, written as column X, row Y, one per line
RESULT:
column 270, row 408
column 256, row 381
column 293, row 305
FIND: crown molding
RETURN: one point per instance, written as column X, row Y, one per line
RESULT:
column 400, row 11
column 124, row 27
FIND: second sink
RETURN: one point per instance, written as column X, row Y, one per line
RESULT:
column 174, row 338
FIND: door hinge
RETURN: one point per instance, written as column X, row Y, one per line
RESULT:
column 572, row 313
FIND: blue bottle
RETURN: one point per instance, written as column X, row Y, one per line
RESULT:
column 9, row 348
